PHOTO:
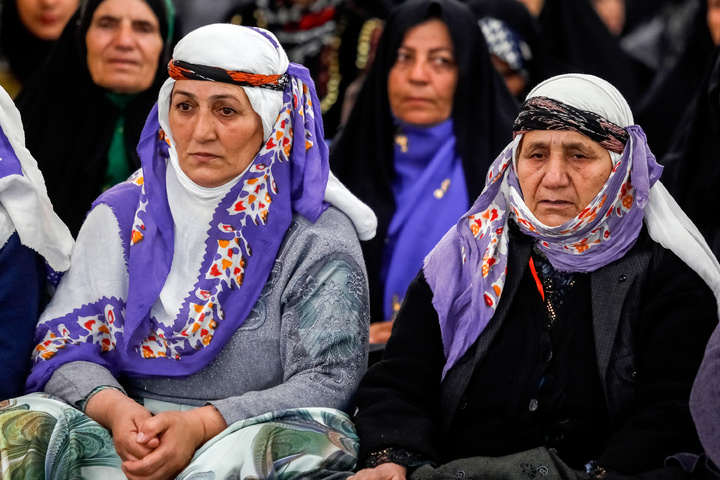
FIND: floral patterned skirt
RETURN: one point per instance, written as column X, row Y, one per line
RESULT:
column 43, row 437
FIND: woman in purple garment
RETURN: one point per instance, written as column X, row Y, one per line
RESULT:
column 216, row 301
column 555, row 331
column 431, row 116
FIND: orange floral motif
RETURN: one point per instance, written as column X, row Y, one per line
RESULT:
column 98, row 329
column 137, row 234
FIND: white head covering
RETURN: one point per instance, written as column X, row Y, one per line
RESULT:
column 667, row 224
column 24, row 203
column 209, row 46
column 467, row 270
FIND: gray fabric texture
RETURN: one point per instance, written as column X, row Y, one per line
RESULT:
column 541, row 463
column 305, row 343
column 705, row 399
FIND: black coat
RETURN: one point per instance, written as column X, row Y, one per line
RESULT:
column 651, row 315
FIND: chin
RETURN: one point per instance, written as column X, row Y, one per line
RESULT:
column 422, row 119
column 125, row 86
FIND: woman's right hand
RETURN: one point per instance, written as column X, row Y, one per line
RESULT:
column 380, row 331
column 384, row 471
column 122, row 416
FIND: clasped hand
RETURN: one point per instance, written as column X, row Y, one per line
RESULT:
column 153, row 447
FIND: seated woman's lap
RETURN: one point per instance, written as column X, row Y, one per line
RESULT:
column 45, row 437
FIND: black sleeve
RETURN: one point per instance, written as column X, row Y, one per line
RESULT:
column 678, row 312
column 22, row 281
column 398, row 399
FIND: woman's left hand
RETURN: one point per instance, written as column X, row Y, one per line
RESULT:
column 179, row 434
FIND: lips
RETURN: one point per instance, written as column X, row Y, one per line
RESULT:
column 119, row 61
column 203, row 156
column 49, row 19
column 418, row 100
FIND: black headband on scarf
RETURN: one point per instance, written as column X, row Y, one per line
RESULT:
column 180, row 70
column 542, row 113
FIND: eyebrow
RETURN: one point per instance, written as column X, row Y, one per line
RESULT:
column 222, row 96
column 432, row 50
column 134, row 21
column 565, row 145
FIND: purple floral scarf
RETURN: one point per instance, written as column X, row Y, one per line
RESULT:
column 466, row 271
column 288, row 175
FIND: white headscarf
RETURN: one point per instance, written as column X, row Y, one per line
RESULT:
column 24, row 203
column 209, row 46
column 667, row 224
column 467, row 270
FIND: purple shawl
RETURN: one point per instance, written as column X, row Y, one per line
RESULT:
column 288, row 175
column 466, row 270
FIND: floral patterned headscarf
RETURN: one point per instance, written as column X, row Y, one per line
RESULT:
column 467, row 269
column 289, row 174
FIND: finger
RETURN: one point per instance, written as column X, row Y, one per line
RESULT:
column 148, row 465
column 133, row 450
column 153, row 443
column 151, row 428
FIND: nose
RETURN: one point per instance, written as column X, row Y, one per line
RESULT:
column 556, row 171
column 125, row 37
column 204, row 130
column 418, row 71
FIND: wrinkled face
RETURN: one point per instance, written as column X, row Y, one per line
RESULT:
column 421, row 83
column 46, row 18
column 612, row 13
column 216, row 131
column 560, row 173
column 713, row 20
column 123, row 46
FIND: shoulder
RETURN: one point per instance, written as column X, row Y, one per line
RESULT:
column 308, row 249
column 122, row 199
column 123, row 195
column 333, row 231
column 652, row 270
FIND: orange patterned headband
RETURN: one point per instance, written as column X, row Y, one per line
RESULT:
column 180, row 70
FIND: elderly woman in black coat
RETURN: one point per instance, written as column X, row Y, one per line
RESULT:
column 558, row 327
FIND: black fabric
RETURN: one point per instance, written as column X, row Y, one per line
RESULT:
column 69, row 121
column 515, row 15
column 674, row 88
column 538, row 386
column 483, row 113
column 578, row 41
column 670, row 324
column 538, row 463
column 22, row 276
column 638, row 12
column 692, row 166
column 24, row 51
column 328, row 50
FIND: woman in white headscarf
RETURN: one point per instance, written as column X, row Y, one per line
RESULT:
column 217, row 307
column 555, row 331
column 32, row 237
